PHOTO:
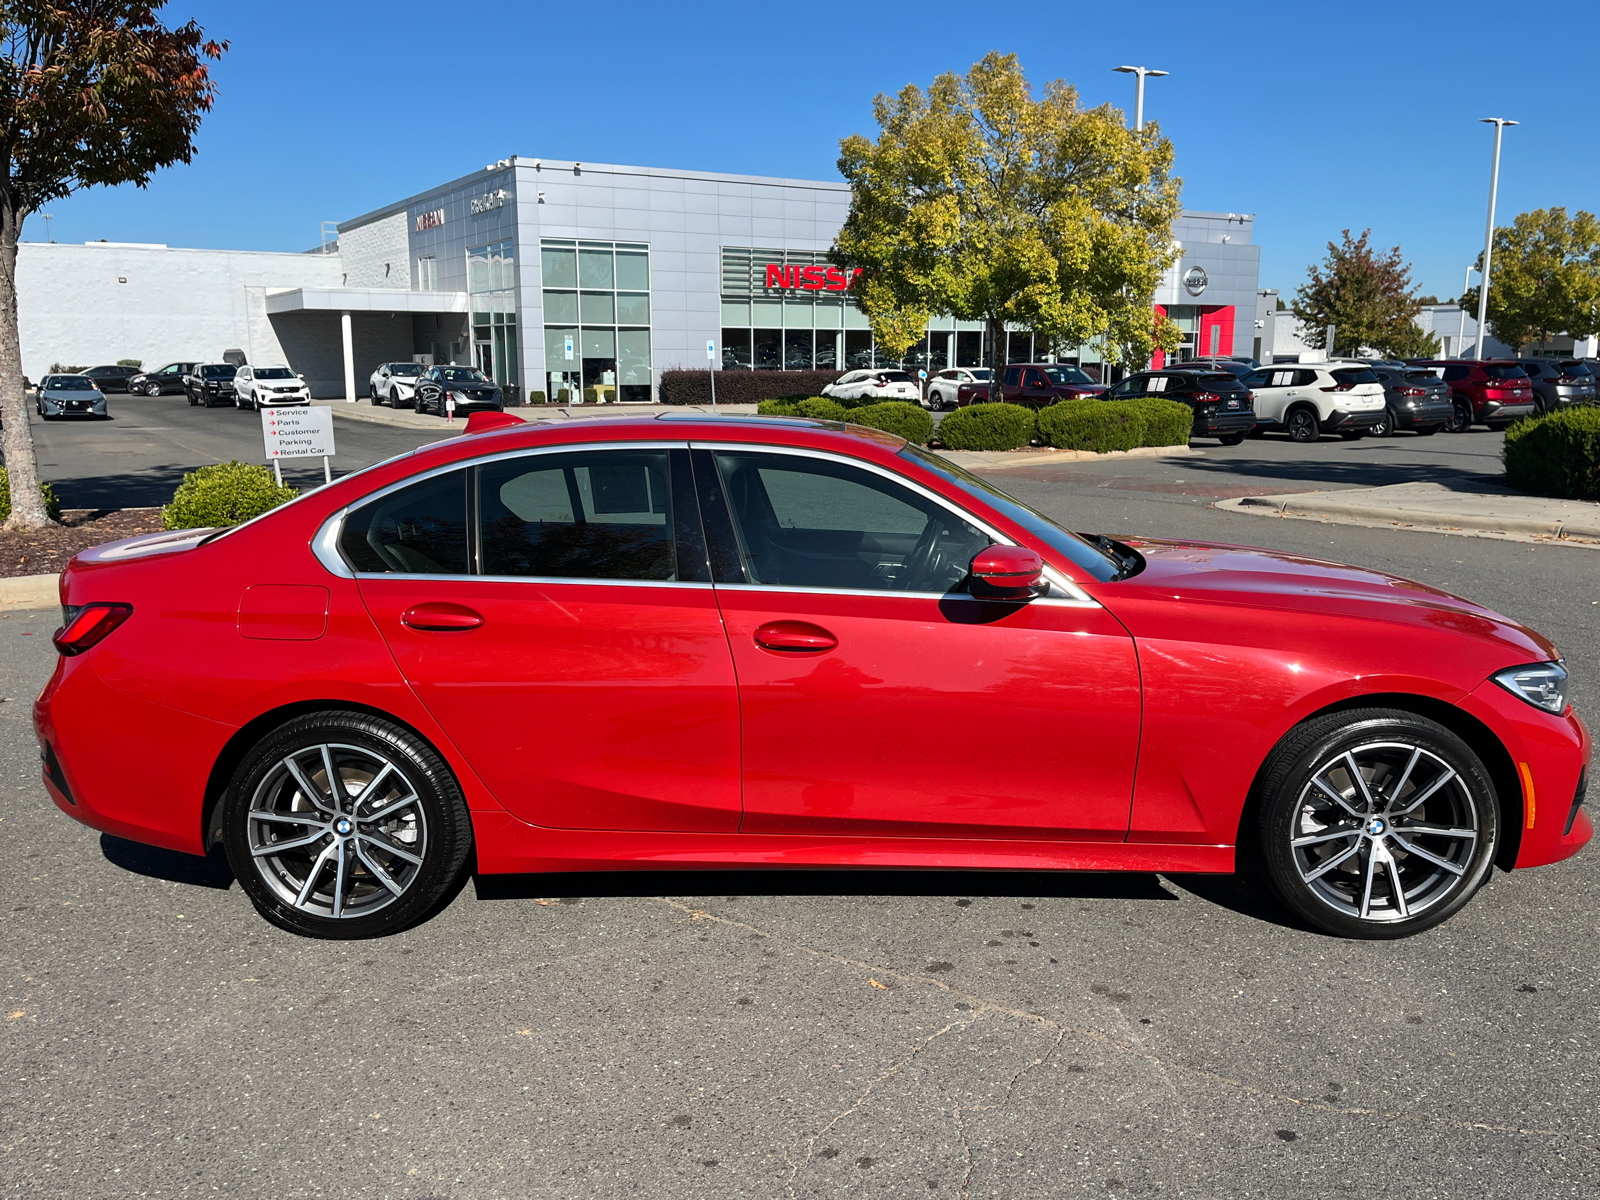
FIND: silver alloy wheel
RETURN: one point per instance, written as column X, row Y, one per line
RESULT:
column 1384, row 831
column 344, row 851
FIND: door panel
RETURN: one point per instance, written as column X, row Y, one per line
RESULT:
column 947, row 717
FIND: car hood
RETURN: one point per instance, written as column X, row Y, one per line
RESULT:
column 1267, row 579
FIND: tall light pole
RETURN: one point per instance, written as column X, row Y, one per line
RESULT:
column 1499, row 124
column 1138, row 96
column 1461, row 312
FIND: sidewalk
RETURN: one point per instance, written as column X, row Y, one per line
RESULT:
column 1466, row 507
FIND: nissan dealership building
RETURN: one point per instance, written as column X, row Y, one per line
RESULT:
column 634, row 268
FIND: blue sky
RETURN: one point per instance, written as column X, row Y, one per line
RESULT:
column 1314, row 117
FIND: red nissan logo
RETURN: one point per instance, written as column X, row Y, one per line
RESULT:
column 811, row 279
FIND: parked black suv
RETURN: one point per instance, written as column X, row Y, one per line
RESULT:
column 211, row 384
column 164, row 381
column 1416, row 400
column 111, row 378
column 1559, row 383
column 1223, row 407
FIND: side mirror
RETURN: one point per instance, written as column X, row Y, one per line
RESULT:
column 1008, row 572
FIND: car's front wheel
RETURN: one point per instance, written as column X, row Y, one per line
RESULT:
column 1375, row 823
column 1460, row 418
column 1302, row 425
column 152, row 389
column 344, row 825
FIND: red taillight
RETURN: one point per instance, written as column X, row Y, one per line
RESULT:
column 1340, row 387
column 1206, row 397
column 1411, row 391
column 88, row 624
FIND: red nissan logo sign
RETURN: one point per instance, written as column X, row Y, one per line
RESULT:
column 811, row 279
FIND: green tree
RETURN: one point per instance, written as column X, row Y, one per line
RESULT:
column 91, row 92
column 1366, row 296
column 979, row 201
column 1546, row 277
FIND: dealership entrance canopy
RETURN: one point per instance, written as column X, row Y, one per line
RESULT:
column 637, row 268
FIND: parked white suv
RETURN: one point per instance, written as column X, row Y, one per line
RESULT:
column 395, row 383
column 944, row 388
column 880, row 384
column 1306, row 400
column 255, row 387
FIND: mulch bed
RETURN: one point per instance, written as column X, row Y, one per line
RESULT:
column 47, row 551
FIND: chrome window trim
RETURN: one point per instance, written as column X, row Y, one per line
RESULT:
column 325, row 542
column 1075, row 596
column 541, row 580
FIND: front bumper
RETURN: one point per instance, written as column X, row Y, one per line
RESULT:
column 281, row 401
column 49, row 409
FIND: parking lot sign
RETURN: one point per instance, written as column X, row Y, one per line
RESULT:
column 298, row 433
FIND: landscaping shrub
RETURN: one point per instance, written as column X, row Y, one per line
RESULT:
column 987, row 427
column 740, row 387
column 535, row 397
column 778, row 408
column 1557, row 454
column 224, row 494
column 897, row 417
column 820, row 408
column 52, row 505
column 1103, row 425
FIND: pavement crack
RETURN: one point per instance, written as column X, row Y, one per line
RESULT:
column 982, row 1005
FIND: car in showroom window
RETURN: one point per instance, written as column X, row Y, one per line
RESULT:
column 605, row 645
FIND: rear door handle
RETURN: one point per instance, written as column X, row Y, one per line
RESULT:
column 795, row 637
column 441, row 617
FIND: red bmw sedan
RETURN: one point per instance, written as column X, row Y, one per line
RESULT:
column 694, row 642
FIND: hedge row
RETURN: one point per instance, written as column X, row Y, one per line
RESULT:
column 1104, row 425
column 741, row 387
column 1557, row 454
column 893, row 416
column 224, row 494
column 1095, row 425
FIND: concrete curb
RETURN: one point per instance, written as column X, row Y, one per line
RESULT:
column 996, row 460
column 30, row 591
column 1360, row 507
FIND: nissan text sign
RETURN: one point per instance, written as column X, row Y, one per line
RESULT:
column 815, row 278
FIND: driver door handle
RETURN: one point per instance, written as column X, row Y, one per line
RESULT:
column 794, row 637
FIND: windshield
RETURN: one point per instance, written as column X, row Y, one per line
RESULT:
column 1097, row 563
column 405, row 368
column 1066, row 375
column 462, row 375
column 1504, row 371
column 69, row 383
column 221, row 371
column 274, row 373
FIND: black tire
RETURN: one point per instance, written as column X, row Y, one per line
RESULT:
column 416, row 404
column 193, row 402
column 427, row 814
column 1231, row 439
column 152, row 389
column 1460, row 417
column 1345, row 882
column 1302, row 425
column 1385, row 426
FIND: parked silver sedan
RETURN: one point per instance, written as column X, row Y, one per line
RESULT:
column 69, row 396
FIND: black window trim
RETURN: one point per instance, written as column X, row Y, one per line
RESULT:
column 325, row 543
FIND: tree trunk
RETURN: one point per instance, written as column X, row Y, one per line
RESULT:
column 22, row 466
column 997, row 350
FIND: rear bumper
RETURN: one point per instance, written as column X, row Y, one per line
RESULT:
column 1496, row 410
column 1340, row 419
column 1223, row 423
column 1436, row 413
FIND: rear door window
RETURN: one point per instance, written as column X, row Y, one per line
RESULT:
column 417, row 530
column 586, row 515
column 1456, row 372
column 1011, row 377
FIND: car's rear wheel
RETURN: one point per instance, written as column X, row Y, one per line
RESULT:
column 1460, row 417
column 416, row 404
column 344, row 825
column 1385, row 425
column 372, row 391
column 1302, row 425
column 1375, row 823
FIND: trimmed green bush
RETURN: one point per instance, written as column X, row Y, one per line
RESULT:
column 987, row 427
column 778, row 408
column 1557, row 454
column 739, row 386
column 535, row 397
column 897, row 417
column 52, row 505
column 1103, row 425
column 820, row 408
column 224, row 494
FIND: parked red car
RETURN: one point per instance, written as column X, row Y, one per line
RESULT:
column 1493, row 392
column 1033, row 384
column 693, row 642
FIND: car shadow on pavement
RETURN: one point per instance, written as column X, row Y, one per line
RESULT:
column 568, row 886
column 1354, row 473
column 155, row 863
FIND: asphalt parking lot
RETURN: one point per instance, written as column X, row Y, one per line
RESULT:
column 819, row 1033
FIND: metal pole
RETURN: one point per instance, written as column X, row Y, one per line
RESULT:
column 327, row 471
column 277, row 471
column 1499, row 124
column 1461, row 323
column 1139, row 74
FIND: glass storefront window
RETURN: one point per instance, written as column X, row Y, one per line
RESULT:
column 768, row 313
column 598, row 308
column 768, row 349
column 797, row 314
column 797, row 350
column 560, row 308
column 633, row 365
column 736, row 348
column 857, row 349
column 595, row 266
column 736, row 314
column 969, row 348
column 633, row 270
column 827, row 350
column 559, row 265
column 633, row 308
column 491, row 280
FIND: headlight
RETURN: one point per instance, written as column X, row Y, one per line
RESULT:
column 1543, row 685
